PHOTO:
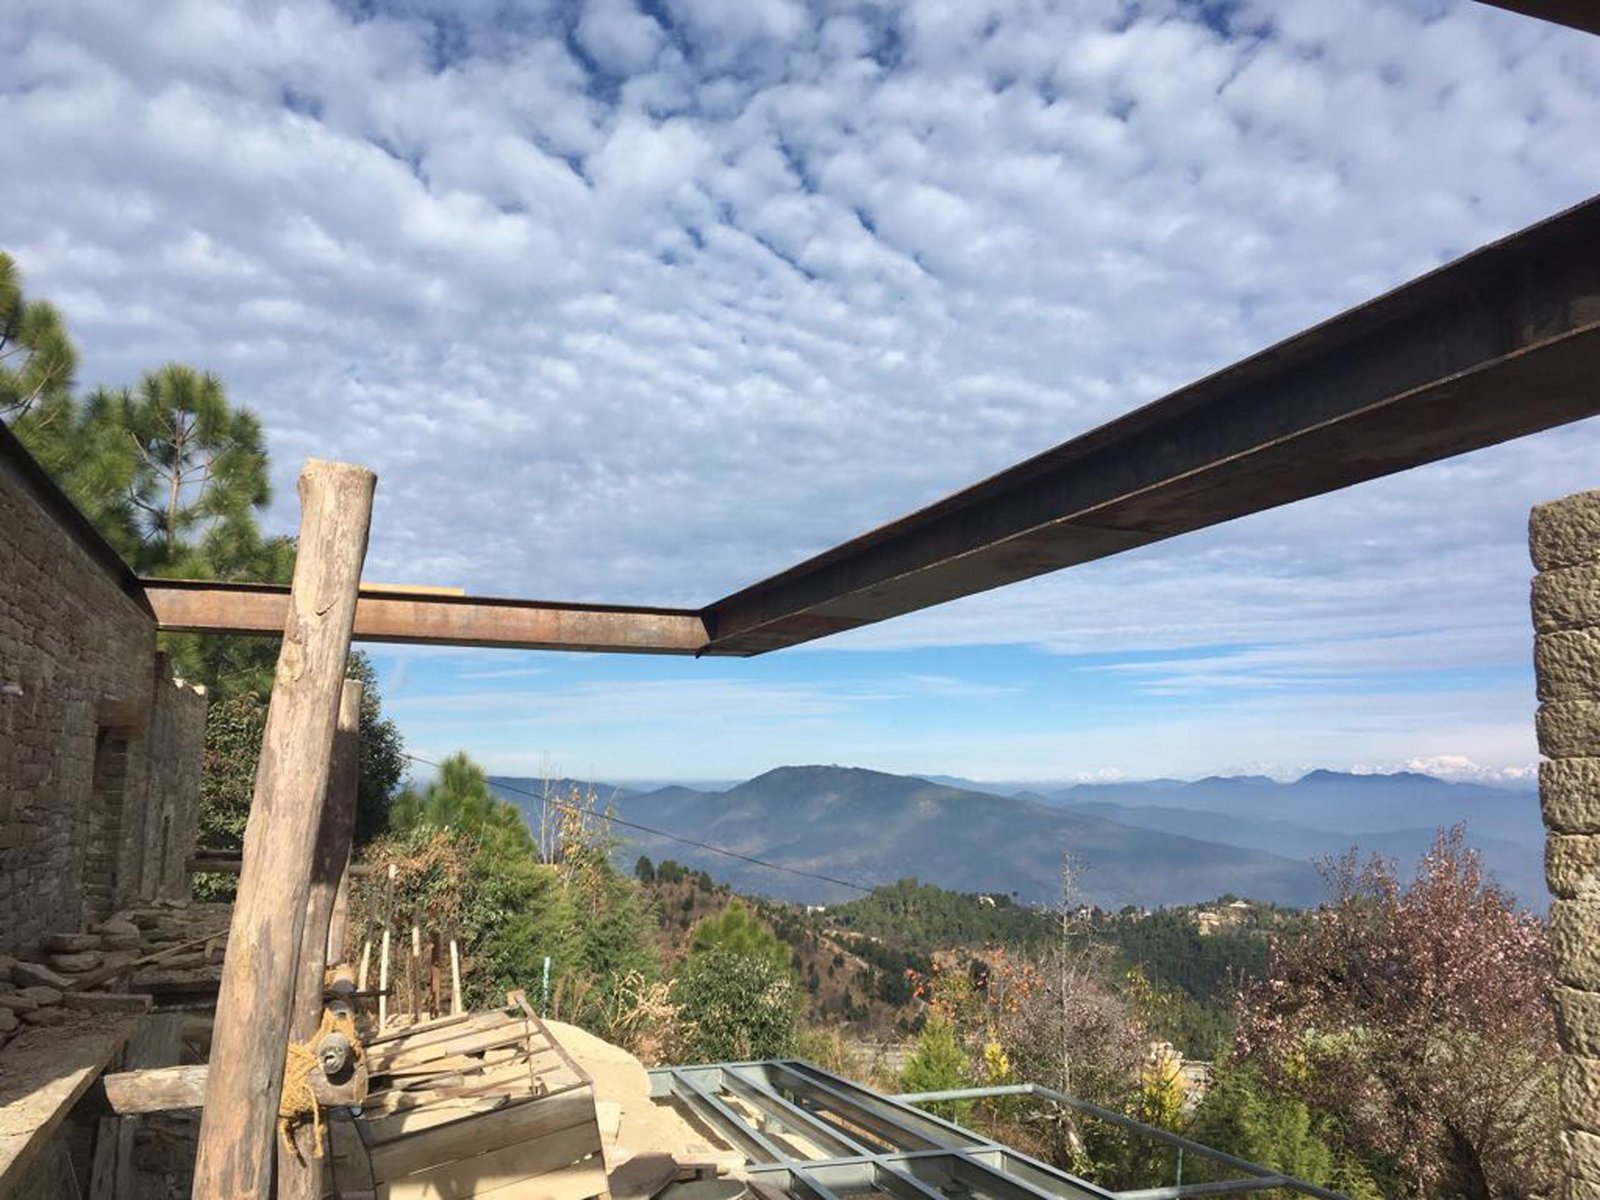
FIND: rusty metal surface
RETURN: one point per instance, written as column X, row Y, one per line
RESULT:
column 1499, row 344
column 426, row 618
column 1579, row 14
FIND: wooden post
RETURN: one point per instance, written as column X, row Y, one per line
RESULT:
column 416, row 974
column 366, row 962
column 455, row 977
column 300, row 1170
column 238, row 1125
column 339, row 921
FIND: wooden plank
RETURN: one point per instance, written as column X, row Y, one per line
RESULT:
column 378, row 1127
column 46, row 1072
column 159, row 1089
column 347, row 1159
column 434, row 1033
column 427, row 1027
column 461, row 1071
column 238, row 1124
column 520, row 1162
column 478, row 1134
column 471, row 1042
column 204, row 606
column 299, row 1168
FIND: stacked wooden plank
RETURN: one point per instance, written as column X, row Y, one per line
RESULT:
column 477, row 1104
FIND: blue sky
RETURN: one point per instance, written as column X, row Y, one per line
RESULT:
column 639, row 303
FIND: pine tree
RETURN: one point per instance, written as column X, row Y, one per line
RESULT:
column 37, row 358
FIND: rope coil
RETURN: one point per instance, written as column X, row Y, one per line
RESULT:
column 298, row 1101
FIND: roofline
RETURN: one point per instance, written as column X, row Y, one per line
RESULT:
column 70, row 517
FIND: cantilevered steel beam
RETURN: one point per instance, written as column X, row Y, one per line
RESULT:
column 1579, row 14
column 1501, row 343
column 432, row 619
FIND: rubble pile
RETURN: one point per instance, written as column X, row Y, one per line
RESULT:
column 167, row 947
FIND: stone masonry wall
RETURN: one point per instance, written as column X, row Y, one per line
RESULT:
column 1565, row 540
column 94, row 743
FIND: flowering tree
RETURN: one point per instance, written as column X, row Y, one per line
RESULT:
column 1419, row 1018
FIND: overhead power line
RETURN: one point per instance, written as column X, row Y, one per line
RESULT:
column 864, row 889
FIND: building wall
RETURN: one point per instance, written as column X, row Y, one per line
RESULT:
column 1565, row 539
column 99, row 750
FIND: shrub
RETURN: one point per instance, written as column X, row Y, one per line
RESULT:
column 735, row 1006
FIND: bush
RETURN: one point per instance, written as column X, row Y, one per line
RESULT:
column 735, row 1007
column 938, row 1064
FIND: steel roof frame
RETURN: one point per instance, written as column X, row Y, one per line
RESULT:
column 817, row 1135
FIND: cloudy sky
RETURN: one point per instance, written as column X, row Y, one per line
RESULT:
column 640, row 302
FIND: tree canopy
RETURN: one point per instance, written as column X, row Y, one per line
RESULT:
column 738, row 930
column 1418, row 1016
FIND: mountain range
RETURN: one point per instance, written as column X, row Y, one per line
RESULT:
column 1148, row 844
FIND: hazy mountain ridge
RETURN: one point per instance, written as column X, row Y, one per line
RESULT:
column 1147, row 843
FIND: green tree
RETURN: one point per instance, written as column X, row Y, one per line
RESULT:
column 939, row 1063
column 738, row 930
column 1241, row 1115
column 201, row 474
column 227, row 783
column 459, row 799
column 37, row 358
column 382, row 753
column 735, row 1006
column 644, row 870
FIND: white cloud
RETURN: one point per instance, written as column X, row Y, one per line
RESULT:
column 775, row 275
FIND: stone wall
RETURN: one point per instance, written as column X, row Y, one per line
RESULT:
column 99, row 750
column 1565, row 540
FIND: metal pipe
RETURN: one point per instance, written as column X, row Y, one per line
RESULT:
column 1225, row 1187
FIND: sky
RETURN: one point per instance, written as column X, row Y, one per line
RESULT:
column 641, row 302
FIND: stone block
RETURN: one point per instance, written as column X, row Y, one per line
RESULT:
column 1568, row 598
column 8, row 1020
column 1569, row 728
column 1569, row 791
column 45, row 1017
column 1578, row 1020
column 32, row 974
column 6, row 964
column 71, row 943
column 1575, row 943
column 1581, row 1154
column 1580, row 1092
column 1566, row 665
column 1566, row 532
column 76, row 964
column 1572, row 865
column 107, row 1002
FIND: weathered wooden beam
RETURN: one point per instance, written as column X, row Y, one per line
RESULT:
column 1578, row 14
column 157, row 1089
column 300, row 1168
column 1499, row 344
column 237, row 1127
column 430, row 618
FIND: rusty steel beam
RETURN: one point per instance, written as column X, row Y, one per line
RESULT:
column 428, row 618
column 1499, row 344
column 1578, row 14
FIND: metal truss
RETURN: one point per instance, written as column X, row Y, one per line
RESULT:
column 808, row 1133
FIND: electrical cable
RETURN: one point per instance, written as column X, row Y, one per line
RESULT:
column 661, row 833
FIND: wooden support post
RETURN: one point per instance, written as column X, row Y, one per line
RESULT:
column 238, row 1125
column 339, row 921
column 455, row 977
column 366, row 963
column 416, row 974
column 300, row 1170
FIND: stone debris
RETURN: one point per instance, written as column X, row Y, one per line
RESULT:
column 75, row 972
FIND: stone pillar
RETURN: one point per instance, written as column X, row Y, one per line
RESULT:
column 1565, row 540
